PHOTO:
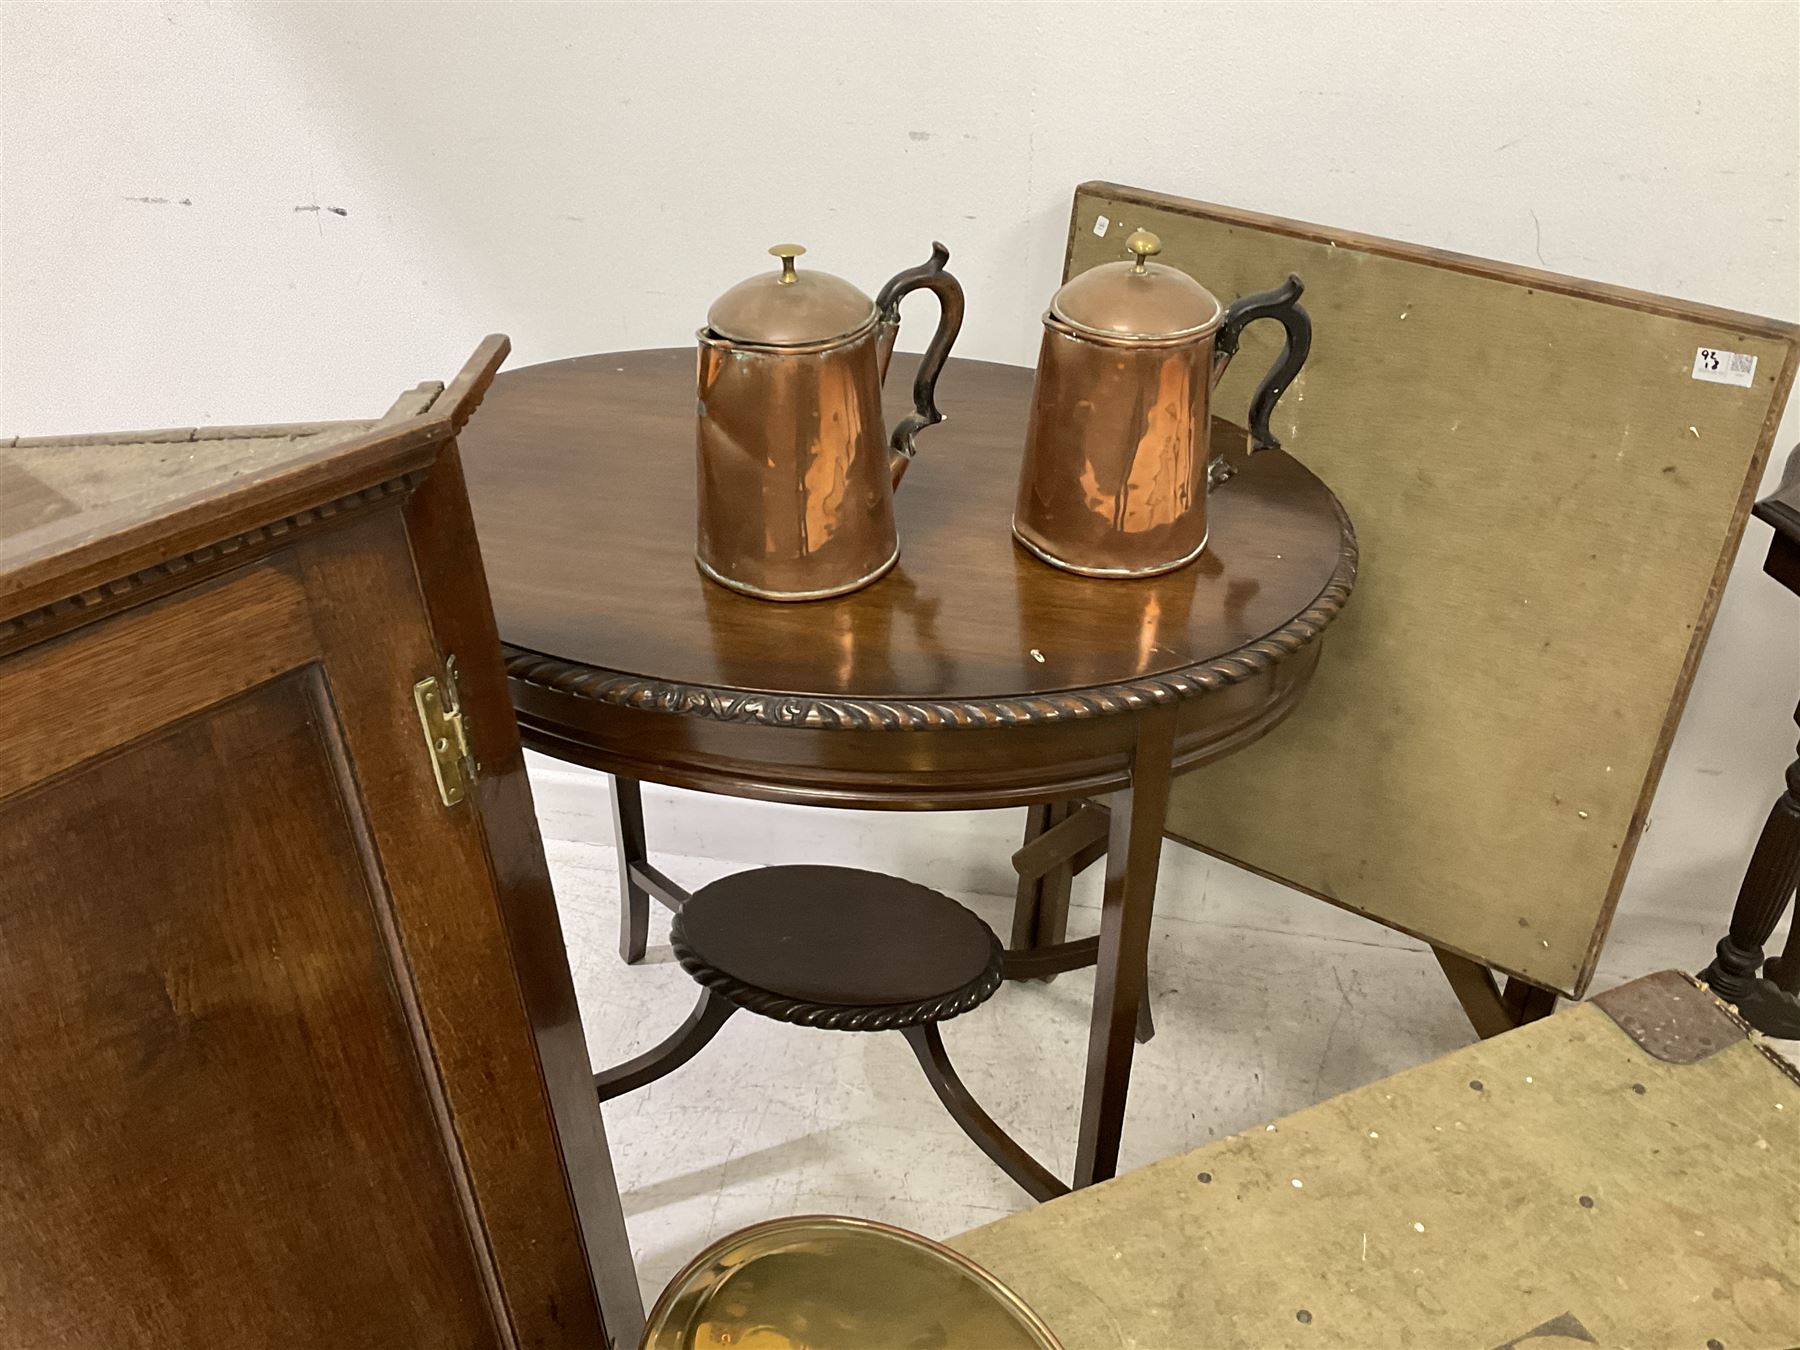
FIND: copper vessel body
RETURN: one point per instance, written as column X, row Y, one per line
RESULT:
column 796, row 491
column 1115, row 474
column 796, row 469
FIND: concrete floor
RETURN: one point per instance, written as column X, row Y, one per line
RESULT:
column 1266, row 1001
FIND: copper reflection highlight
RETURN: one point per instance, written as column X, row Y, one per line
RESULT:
column 796, row 490
column 1114, row 478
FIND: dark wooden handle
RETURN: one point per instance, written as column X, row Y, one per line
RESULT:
column 1283, row 305
column 929, row 276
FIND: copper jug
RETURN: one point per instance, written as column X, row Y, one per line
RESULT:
column 1116, row 465
column 797, row 473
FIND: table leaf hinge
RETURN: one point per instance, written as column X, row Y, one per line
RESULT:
column 447, row 738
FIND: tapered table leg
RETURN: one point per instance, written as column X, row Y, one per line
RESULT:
column 1134, row 848
column 634, row 900
column 1041, row 908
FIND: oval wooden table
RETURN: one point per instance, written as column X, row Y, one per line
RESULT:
column 972, row 675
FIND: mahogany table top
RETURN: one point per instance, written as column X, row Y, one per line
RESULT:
column 582, row 476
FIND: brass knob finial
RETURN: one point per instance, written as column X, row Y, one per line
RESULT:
column 1144, row 245
column 787, row 253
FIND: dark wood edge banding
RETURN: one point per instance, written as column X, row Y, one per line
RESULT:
column 830, row 713
column 1645, row 302
column 132, row 585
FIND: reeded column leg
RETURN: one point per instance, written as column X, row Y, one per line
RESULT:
column 1784, row 971
column 634, row 900
column 1134, row 848
column 1767, row 887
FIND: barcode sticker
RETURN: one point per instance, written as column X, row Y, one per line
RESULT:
column 1101, row 226
column 1717, row 367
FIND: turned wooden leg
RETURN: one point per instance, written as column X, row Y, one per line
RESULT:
column 1767, row 887
column 928, row 1045
column 1134, row 849
column 634, row 900
column 1784, row 971
column 703, row 1023
column 1041, row 908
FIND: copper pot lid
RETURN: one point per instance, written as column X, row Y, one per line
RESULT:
column 1138, row 299
column 790, row 308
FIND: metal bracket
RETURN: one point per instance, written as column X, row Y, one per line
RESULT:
column 447, row 738
column 1671, row 1017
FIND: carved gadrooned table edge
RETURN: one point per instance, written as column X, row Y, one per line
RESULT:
column 828, row 712
column 840, row 1016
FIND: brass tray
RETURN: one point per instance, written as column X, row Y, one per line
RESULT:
column 821, row 1282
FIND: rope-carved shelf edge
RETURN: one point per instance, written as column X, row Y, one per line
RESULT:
column 825, row 712
column 839, row 1016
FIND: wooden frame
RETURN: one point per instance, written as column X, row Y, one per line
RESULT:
column 1482, row 423
column 306, row 1021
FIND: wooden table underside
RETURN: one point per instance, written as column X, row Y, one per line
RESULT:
column 972, row 676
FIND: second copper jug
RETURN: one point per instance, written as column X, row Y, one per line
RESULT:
column 797, row 471
column 1117, row 465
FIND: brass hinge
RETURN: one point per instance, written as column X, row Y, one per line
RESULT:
column 447, row 738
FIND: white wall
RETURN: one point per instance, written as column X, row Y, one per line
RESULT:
column 590, row 176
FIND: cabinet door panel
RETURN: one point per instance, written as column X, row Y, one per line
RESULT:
column 369, row 616
column 221, row 1126
column 447, row 556
column 289, row 1055
column 74, row 697
column 289, row 1049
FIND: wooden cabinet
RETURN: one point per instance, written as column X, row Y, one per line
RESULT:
column 289, row 1052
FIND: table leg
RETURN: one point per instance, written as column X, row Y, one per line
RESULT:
column 1784, row 971
column 1490, row 1009
column 1041, row 907
column 1768, row 884
column 634, row 900
column 1134, row 849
